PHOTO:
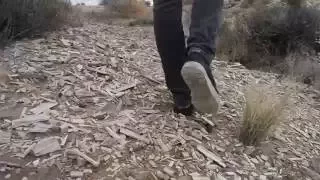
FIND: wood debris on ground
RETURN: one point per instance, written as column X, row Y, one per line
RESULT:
column 45, row 146
column 91, row 101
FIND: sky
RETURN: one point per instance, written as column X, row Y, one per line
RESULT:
column 88, row 2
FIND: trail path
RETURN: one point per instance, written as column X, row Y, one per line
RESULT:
column 91, row 103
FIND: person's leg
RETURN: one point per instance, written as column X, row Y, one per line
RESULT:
column 171, row 47
column 205, row 23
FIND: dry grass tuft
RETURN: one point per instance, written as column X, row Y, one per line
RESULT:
column 28, row 17
column 24, row 18
column 263, row 111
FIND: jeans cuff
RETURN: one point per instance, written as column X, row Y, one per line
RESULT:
column 199, row 53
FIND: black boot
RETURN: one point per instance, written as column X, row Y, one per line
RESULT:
column 182, row 104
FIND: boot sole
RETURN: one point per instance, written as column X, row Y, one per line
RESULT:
column 204, row 96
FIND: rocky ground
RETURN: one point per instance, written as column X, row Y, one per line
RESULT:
column 91, row 103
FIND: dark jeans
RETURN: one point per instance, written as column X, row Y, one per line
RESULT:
column 201, row 44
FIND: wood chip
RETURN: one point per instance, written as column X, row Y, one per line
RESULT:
column 300, row 131
column 200, row 178
column 169, row 171
column 28, row 150
column 29, row 120
column 6, row 163
column 211, row 156
column 134, row 135
column 124, row 88
column 312, row 174
column 164, row 147
column 97, row 71
column 76, row 174
column 208, row 121
column 161, row 175
column 5, row 137
column 185, row 178
column 43, row 107
column 84, row 156
column 101, row 45
column 45, row 146
column 87, row 171
column 150, row 79
column 10, row 112
column 64, row 140
column 40, row 128
column 115, row 135
column 4, row 76
column 220, row 177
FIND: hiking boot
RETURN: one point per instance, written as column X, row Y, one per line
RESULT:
column 200, row 80
column 182, row 104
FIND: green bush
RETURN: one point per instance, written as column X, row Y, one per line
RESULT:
column 21, row 18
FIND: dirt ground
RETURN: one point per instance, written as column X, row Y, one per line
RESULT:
column 90, row 103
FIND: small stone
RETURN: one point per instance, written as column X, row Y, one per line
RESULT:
column 24, row 178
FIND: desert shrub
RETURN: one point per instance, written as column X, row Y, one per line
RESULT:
column 265, row 32
column 141, row 22
column 126, row 8
column 263, row 112
column 20, row 18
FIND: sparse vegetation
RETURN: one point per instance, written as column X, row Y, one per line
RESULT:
column 126, row 8
column 141, row 22
column 263, row 111
column 24, row 18
column 263, row 33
